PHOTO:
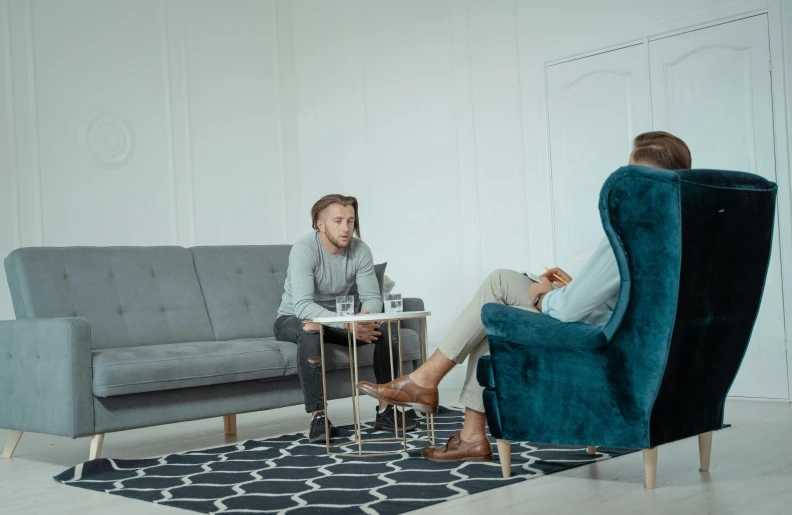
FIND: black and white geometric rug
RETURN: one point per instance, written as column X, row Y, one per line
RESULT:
column 288, row 475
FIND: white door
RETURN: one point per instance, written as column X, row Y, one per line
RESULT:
column 711, row 87
column 596, row 106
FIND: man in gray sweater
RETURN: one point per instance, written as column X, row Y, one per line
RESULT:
column 325, row 264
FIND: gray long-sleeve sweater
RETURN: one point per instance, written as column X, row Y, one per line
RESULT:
column 316, row 277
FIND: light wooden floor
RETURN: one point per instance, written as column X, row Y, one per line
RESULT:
column 751, row 470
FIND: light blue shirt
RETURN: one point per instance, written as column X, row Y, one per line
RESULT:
column 591, row 297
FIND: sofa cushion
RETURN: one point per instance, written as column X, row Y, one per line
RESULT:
column 242, row 287
column 132, row 296
column 183, row 365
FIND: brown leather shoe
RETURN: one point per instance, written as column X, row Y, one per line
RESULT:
column 457, row 449
column 402, row 392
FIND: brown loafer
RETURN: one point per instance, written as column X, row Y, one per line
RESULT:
column 402, row 392
column 457, row 449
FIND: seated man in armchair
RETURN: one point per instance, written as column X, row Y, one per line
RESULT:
column 590, row 299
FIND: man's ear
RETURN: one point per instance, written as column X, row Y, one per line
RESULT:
column 320, row 225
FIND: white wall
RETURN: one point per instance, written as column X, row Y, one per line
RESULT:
column 139, row 123
column 244, row 112
column 547, row 28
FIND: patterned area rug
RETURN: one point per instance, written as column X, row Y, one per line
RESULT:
column 286, row 474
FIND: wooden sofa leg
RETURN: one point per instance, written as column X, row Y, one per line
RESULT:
column 229, row 421
column 591, row 450
column 504, row 454
column 705, row 450
column 96, row 447
column 650, row 467
column 11, row 443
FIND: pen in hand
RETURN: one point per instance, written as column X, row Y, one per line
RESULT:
column 556, row 276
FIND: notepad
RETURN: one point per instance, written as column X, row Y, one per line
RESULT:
column 532, row 276
column 535, row 278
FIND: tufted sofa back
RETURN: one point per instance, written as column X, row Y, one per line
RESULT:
column 131, row 296
column 135, row 296
column 242, row 287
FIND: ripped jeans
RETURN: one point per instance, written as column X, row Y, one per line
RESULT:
column 290, row 329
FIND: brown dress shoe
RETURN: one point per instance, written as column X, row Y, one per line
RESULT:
column 402, row 392
column 456, row 449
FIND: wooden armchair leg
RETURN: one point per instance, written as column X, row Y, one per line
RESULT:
column 504, row 454
column 229, row 421
column 11, row 443
column 96, row 447
column 650, row 466
column 591, row 450
column 705, row 450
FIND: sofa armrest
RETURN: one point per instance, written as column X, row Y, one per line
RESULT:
column 521, row 327
column 412, row 304
column 45, row 376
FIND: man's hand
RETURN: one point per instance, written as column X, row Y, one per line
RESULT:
column 368, row 332
column 365, row 331
column 551, row 274
column 539, row 288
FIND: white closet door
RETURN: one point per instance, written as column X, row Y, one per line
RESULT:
column 711, row 87
column 596, row 106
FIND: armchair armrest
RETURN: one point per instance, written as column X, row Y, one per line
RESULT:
column 522, row 327
column 556, row 382
column 45, row 376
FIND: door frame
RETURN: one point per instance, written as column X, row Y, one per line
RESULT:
column 777, row 19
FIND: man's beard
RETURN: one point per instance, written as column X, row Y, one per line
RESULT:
column 337, row 241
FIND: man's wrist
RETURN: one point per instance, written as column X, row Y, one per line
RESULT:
column 537, row 303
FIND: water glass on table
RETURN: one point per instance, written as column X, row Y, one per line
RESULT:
column 345, row 305
column 393, row 303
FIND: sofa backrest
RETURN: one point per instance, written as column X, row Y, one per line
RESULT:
column 242, row 287
column 131, row 295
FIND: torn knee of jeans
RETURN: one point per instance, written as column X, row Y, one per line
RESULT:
column 315, row 362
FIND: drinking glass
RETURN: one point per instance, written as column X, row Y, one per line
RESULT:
column 393, row 303
column 345, row 305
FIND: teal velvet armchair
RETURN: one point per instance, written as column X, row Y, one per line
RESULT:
column 693, row 249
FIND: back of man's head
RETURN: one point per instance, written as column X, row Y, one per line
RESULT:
column 660, row 149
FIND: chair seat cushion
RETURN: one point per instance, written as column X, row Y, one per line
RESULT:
column 129, row 370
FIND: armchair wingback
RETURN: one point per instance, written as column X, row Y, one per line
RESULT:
column 693, row 249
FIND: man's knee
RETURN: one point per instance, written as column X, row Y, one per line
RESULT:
column 499, row 276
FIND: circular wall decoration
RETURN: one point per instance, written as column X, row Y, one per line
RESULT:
column 110, row 142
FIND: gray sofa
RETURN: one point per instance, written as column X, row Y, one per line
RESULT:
column 115, row 338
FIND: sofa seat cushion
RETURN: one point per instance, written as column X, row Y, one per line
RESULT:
column 182, row 365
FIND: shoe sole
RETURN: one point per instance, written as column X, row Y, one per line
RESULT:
column 421, row 408
column 471, row 458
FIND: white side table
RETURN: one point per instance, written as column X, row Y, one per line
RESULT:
column 382, row 318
